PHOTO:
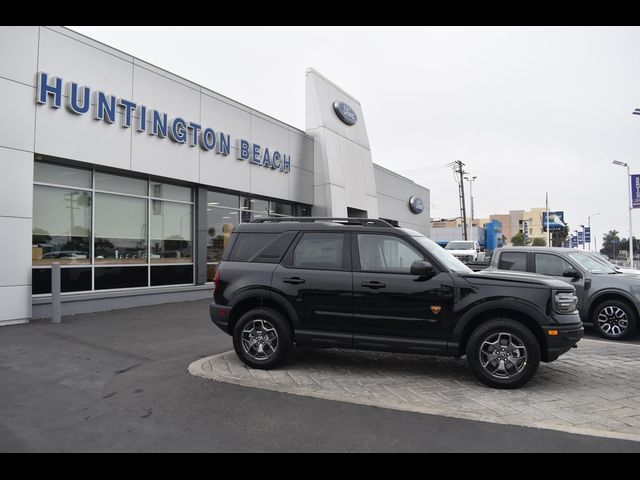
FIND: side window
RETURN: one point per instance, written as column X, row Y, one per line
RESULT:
column 321, row 251
column 548, row 264
column 385, row 253
column 513, row 261
column 261, row 247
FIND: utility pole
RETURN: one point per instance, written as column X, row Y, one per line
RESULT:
column 460, row 180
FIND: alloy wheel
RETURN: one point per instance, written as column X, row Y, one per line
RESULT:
column 259, row 339
column 613, row 321
column 503, row 355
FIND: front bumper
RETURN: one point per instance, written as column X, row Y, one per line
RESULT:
column 567, row 336
column 220, row 316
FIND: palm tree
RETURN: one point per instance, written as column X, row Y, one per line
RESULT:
column 609, row 242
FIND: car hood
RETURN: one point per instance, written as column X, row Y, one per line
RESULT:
column 629, row 271
column 462, row 252
column 518, row 277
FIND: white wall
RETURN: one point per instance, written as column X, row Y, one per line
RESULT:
column 65, row 54
column 26, row 128
column 394, row 192
column 18, row 65
column 343, row 175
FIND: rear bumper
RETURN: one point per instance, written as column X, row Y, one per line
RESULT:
column 220, row 316
column 567, row 337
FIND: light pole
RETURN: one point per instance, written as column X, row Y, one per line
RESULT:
column 470, row 180
column 624, row 164
column 589, row 225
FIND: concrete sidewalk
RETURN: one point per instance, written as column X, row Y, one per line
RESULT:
column 594, row 390
column 118, row 381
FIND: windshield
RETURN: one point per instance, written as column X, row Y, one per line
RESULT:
column 589, row 263
column 445, row 258
column 460, row 246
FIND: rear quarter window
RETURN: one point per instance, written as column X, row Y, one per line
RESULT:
column 261, row 247
column 513, row 261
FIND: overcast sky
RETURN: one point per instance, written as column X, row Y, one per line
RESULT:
column 528, row 109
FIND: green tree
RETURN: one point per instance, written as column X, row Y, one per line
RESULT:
column 518, row 240
column 539, row 242
column 610, row 244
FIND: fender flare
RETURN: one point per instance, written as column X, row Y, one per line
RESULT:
column 261, row 292
column 610, row 291
column 497, row 304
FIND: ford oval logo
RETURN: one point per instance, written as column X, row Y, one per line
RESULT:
column 416, row 205
column 345, row 113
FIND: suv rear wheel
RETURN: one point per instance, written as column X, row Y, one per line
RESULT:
column 262, row 338
column 503, row 353
column 614, row 319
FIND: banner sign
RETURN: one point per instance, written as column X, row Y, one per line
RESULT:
column 635, row 191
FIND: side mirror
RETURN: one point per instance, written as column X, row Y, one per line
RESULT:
column 422, row 268
column 571, row 273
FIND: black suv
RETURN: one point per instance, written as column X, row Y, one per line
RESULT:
column 361, row 283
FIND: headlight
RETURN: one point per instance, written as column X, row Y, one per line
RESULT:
column 564, row 302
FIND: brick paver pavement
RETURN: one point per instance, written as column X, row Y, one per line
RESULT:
column 594, row 389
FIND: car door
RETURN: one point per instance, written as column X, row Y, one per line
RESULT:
column 392, row 308
column 554, row 266
column 315, row 278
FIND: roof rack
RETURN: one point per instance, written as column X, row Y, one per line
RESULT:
column 369, row 222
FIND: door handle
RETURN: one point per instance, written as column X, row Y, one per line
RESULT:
column 293, row 280
column 373, row 285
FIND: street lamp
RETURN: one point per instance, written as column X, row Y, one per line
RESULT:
column 470, row 180
column 589, row 225
column 624, row 164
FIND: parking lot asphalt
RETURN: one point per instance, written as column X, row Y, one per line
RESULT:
column 118, row 381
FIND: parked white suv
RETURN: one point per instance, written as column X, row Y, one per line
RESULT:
column 465, row 250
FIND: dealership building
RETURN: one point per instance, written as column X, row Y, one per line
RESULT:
column 132, row 178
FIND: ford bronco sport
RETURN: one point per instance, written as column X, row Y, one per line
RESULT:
column 364, row 284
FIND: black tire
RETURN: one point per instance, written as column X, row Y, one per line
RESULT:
column 607, row 317
column 516, row 372
column 262, row 323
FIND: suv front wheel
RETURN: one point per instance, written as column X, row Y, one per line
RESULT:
column 262, row 338
column 614, row 319
column 503, row 353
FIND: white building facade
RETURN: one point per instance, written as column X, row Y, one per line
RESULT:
column 132, row 178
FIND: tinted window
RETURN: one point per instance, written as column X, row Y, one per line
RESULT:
column 384, row 253
column 250, row 244
column 513, row 261
column 71, row 280
column 121, row 184
column 61, row 175
column 319, row 251
column 547, row 264
column 121, row 277
column 171, row 275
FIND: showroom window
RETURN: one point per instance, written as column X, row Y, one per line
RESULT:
column 109, row 231
column 225, row 211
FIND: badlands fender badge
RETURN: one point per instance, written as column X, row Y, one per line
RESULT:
column 436, row 309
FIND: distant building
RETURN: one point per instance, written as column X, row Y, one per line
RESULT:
column 516, row 221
